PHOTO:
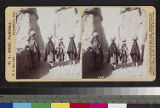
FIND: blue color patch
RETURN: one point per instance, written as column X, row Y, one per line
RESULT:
column 6, row 105
column 22, row 105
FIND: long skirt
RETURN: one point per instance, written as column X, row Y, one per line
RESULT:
column 61, row 57
column 50, row 58
column 72, row 56
column 124, row 58
column 134, row 58
column 114, row 59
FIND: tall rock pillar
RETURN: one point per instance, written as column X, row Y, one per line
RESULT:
column 26, row 22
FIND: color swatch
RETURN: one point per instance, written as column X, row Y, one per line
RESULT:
column 22, row 105
column 117, row 106
column 41, row 105
column 96, row 105
column 76, row 105
column 60, row 105
column 136, row 106
column 79, row 105
column 6, row 105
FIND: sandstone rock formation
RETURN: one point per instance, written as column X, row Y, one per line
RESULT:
column 67, row 22
column 26, row 21
column 134, row 21
column 92, row 22
column 130, row 21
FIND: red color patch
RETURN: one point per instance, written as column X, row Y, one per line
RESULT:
column 79, row 105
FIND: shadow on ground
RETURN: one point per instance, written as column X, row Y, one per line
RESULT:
column 90, row 70
column 40, row 71
column 105, row 69
column 35, row 73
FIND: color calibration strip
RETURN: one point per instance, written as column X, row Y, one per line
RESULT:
column 74, row 105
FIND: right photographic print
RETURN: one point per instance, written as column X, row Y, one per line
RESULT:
column 115, row 44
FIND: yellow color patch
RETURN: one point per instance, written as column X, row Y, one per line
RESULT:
column 60, row 105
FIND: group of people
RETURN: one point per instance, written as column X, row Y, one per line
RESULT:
column 52, row 52
column 115, row 54
column 29, row 57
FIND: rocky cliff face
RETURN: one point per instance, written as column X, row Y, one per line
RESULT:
column 67, row 22
column 92, row 22
column 131, row 21
column 27, row 21
column 134, row 21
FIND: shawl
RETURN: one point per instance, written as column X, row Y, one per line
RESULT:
column 72, row 47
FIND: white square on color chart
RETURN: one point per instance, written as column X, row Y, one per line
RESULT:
column 117, row 105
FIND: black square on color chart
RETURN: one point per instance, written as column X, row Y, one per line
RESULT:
column 136, row 106
column 51, row 87
column 153, row 106
column 143, row 105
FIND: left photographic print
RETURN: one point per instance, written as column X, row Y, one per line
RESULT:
column 48, row 43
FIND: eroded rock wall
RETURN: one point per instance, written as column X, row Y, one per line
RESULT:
column 134, row 21
column 92, row 22
column 27, row 21
column 67, row 22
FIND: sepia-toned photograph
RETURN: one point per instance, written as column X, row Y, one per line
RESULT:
column 87, row 43
column 114, row 43
column 48, row 43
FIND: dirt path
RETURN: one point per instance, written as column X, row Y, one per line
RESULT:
column 43, row 71
column 107, row 71
column 66, row 72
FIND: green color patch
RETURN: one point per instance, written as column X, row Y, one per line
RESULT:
column 41, row 105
